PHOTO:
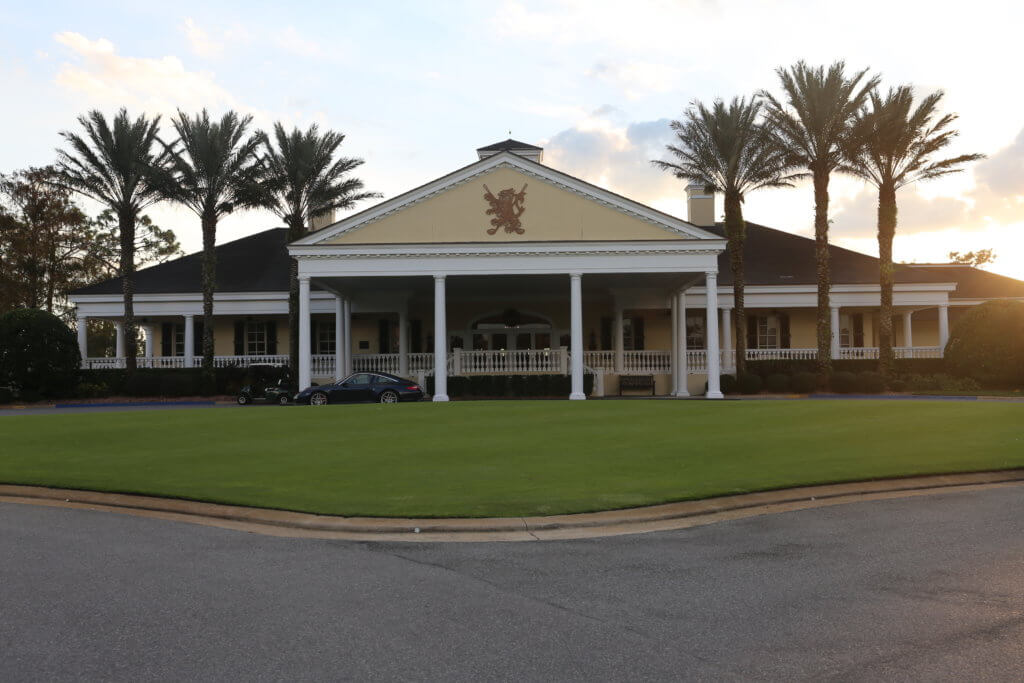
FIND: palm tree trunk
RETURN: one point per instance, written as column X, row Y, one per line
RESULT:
column 735, row 233
column 296, row 229
column 824, row 277
column 886, row 233
column 209, row 224
column 126, row 230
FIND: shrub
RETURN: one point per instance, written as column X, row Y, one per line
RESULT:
column 778, row 383
column 6, row 395
column 749, row 383
column 805, row 382
column 985, row 344
column 898, row 385
column 727, row 384
column 843, row 382
column 870, row 383
column 514, row 386
column 39, row 355
column 940, row 382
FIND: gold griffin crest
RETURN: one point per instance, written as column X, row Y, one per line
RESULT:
column 506, row 208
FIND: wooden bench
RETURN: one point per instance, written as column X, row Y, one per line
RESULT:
column 643, row 382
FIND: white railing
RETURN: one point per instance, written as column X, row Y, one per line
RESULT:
column 782, row 354
column 421, row 362
column 244, row 361
column 918, row 351
column 646, row 362
column 600, row 360
column 509, row 362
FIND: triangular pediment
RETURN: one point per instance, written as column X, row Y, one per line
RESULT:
column 502, row 199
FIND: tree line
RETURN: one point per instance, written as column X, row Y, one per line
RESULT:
column 824, row 121
column 213, row 167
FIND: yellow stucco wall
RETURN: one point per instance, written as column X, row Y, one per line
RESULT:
column 459, row 215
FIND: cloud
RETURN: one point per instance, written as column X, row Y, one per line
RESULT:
column 201, row 43
column 857, row 216
column 290, row 40
column 636, row 79
column 616, row 156
column 158, row 85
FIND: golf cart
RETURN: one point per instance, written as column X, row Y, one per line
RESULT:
column 267, row 383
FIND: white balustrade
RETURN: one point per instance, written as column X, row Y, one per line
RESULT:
column 600, row 360
column 646, row 362
column 782, row 354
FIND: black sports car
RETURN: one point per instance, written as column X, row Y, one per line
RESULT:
column 362, row 387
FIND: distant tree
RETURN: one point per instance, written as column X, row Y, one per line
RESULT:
column 116, row 164
column 813, row 120
column 153, row 245
column 213, row 167
column 894, row 143
column 303, row 178
column 729, row 149
column 973, row 258
column 44, row 242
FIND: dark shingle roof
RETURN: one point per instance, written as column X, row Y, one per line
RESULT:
column 257, row 263
column 509, row 145
column 973, row 283
column 775, row 257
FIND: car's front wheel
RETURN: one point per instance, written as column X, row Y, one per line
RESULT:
column 243, row 399
column 318, row 398
column 388, row 397
column 283, row 400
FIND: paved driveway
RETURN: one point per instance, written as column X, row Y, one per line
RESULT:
column 923, row 588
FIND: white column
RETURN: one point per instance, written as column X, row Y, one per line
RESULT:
column 83, row 329
column 835, row 332
column 684, row 370
column 119, row 340
column 730, row 355
column 714, row 369
column 403, row 342
column 943, row 326
column 339, row 338
column 674, row 342
column 150, row 339
column 908, row 328
column 440, row 341
column 576, row 336
column 618, row 342
column 346, row 348
column 305, row 374
column 190, row 340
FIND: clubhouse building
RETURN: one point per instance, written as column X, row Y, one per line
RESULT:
column 508, row 266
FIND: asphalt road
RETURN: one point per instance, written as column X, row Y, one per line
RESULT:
column 929, row 587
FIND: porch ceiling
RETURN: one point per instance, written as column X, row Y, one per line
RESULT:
column 497, row 285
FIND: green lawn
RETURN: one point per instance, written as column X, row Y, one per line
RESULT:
column 504, row 457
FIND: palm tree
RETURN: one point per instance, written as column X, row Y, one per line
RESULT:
column 301, row 180
column 213, row 167
column 893, row 145
column 728, row 149
column 116, row 164
column 813, row 124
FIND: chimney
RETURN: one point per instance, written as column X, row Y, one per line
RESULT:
column 322, row 221
column 700, row 205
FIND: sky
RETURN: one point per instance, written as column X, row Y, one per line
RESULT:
column 417, row 87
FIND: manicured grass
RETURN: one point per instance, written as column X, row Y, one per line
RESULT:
column 504, row 457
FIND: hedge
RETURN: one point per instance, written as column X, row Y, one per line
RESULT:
column 38, row 356
column 158, row 382
column 511, row 386
column 987, row 345
column 904, row 366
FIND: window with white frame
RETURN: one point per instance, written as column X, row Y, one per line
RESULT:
column 256, row 338
column 324, row 338
column 851, row 330
column 695, row 331
column 768, row 336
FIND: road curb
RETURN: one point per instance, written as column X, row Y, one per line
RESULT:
column 592, row 524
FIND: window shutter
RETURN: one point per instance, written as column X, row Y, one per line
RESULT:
column 239, row 337
column 383, row 336
column 606, row 333
column 638, row 334
column 751, row 331
column 314, row 335
column 167, row 339
column 784, row 339
column 858, row 329
column 272, row 338
column 197, row 339
column 416, row 336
